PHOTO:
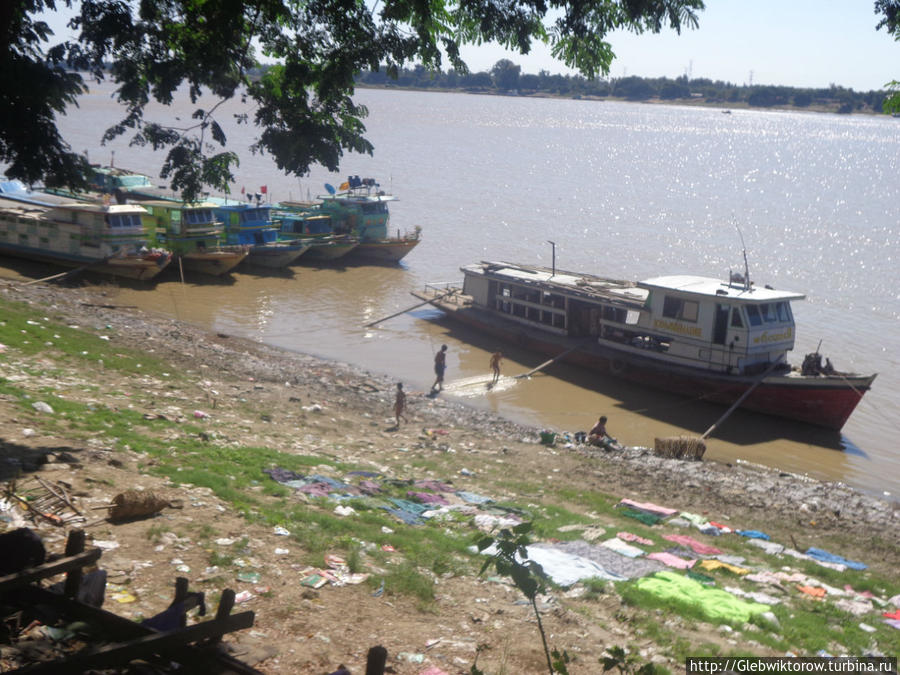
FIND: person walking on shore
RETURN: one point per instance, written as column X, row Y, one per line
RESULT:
column 496, row 358
column 440, row 365
column 400, row 404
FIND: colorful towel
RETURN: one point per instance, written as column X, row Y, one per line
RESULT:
column 824, row 556
column 647, row 507
column 814, row 591
column 622, row 548
column 693, row 544
column 753, row 534
column 672, row 560
column 713, row 603
column 645, row 518
column 628, row 536
column 711, row 565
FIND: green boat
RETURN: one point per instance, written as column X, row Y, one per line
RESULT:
column 192, row 233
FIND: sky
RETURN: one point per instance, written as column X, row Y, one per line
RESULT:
column 795, row 43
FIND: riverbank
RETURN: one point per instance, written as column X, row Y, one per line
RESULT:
column 197, row 416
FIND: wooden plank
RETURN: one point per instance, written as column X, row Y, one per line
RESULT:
column 119, row 628
column 142, row 647
column 548, row 362
column 26, row 576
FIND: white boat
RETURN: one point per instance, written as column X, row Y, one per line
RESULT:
column 724, row 342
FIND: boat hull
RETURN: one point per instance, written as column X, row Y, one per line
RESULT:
column 275, row 255
column 329, row 251
column 137, row 267
column 824, row 401
column 212, row 263
column 386, row 251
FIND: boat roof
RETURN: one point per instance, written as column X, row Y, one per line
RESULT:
column 168, row 204
column 706, row 286
column 357, row 197
column 560, row 281
column 628, row 292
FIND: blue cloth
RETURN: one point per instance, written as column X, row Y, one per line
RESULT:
column 753, row 534
column 825, row 556
column 472, row 498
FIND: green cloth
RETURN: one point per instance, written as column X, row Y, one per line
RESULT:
column 702, row 578
column 713, row 603
column 646, row 518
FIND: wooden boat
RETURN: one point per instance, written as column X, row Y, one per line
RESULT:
column 103, row 238
column 250, row 225
column 192, row 233
column 301, row 220
column 361, row 208
column 689, row 335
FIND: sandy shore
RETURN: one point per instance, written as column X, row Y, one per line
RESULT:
column 315, row 404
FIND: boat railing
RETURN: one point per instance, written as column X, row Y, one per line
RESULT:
column 445, row 289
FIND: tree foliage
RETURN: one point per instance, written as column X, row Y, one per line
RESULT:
column 302, row 108
column 890, row 12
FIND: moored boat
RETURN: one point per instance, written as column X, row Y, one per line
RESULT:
column 302, row 220
column 361, row 208
column 251, row 225
column 193, row 235
column 690, row 335
column 102, row 238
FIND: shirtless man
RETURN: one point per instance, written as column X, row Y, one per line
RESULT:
column 496, row 358
column 597, row 435
column 400, row 404
column 440, row 365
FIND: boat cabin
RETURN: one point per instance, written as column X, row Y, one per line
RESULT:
column 687, row 320
column 360, row 208
column 246, row 223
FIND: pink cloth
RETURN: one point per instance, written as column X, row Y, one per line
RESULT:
column 627, row 536
column 647, row 507
column 693, row 544
column 672, row 560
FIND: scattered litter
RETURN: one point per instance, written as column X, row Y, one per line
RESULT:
column 225, row 541
column 43, row 407
column 243, row 596
column 250, row 577
column 106, row 544
column 282, row 532
column 282, row 551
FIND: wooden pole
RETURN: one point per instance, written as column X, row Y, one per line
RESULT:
column 740, row 400
column 547, row 363
column 426, row 302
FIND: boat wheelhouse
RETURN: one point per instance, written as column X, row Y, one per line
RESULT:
column 192, row 233
column 248, row 224
column 104, row 238
column 686, row 334
column 361, row 208
column 303, row 221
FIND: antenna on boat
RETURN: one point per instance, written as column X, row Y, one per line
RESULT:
column 553, row 244
column 746, row 265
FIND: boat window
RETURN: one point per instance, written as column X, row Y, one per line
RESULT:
column 768, row 312
column 753, row 315
column 783, row 314
column 616, row 314
column 736, row 321
column 677, row 308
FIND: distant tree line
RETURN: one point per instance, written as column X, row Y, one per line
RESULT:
column 507, row 78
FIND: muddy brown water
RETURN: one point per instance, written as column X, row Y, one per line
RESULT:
column 628, row 191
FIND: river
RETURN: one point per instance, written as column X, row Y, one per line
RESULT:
column 624, row 190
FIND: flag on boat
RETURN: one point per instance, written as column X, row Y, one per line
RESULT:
column 243, row 189
column 263, row 189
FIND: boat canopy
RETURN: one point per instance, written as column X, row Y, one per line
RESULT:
column 708, row 287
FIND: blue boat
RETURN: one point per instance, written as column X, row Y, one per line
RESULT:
column 248, row 224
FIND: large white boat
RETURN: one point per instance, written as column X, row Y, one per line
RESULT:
column 102, row 238
column 691, row 335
